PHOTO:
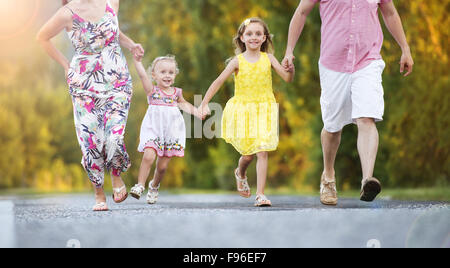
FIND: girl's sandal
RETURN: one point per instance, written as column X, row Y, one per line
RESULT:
column 100, row 207
column 242, row 185
column 137, row 191
column 117, row 191
column 152, row 195
column 262, row 201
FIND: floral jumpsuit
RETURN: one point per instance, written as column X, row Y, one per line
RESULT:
column 101, row 88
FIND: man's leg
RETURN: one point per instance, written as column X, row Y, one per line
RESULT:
column 367, row 145
column 330, row 146
column 336, row 107
column 368, row 140
column 367, row 109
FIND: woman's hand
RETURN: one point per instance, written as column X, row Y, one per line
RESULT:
column 138, row 51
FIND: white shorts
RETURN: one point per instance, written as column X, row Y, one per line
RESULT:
column 347, row 97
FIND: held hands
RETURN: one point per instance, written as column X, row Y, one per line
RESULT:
column 138, row 52
column 203, row 111
column 288, row 63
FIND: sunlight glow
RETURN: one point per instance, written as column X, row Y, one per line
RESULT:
column 17, row 16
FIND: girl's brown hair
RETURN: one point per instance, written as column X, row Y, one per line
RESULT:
column 267, row 46
column 64, row 2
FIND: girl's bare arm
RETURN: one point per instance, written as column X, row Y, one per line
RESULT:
column 188, row 107
column 146, row 81
column 287, row 76
column 232, row 67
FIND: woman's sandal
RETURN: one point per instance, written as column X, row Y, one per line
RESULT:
column 137, row 191
column 262, row 201
column 100, row 207
column 118, row 191
column 242, row 185
column 152, row 195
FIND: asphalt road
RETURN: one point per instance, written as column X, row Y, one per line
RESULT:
column 223, row 221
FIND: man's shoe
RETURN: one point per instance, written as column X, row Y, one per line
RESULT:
column 370, row 189
column 328, row 193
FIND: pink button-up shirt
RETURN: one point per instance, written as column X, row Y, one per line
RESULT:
column 351, row 34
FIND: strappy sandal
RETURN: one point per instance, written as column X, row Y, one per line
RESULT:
column 118, row 191
column 137, row 191
column 242, row 185
column 262, row 201
column 152, row 195
column 99, row 207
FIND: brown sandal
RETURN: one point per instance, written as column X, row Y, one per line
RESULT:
column 118, row 191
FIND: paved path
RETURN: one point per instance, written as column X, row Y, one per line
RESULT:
column 209, row 221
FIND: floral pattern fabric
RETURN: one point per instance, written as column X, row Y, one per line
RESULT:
column 99, row 67
column 101, row 88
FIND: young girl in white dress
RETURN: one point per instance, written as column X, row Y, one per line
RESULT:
column 163, row 131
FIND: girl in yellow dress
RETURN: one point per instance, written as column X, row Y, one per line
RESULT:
column 250, row 118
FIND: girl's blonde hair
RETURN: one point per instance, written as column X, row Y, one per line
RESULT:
column 169, row 57
column 267, row 46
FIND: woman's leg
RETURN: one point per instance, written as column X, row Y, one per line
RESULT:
column 261, row 171
column 86, row 112
column 115, row 119
column 100, row 196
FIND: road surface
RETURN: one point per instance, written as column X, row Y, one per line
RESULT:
column 222, row 221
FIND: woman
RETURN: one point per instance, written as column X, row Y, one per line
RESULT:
column 99, row 84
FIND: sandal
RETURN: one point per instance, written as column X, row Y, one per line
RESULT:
column 100, row 207
column 118, row 191
column 137, row 191
column 262, row 201
column 152, row 195
column 242, row 185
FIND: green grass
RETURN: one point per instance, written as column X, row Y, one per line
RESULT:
column 418, row 194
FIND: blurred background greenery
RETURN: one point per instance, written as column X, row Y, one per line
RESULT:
column 39, row 149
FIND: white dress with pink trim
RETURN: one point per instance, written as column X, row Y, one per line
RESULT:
column 163, row 127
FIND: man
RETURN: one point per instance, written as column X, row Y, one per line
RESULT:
column 350, row 72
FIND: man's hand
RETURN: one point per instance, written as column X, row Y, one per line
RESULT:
column 406, row 63
column 288, row 63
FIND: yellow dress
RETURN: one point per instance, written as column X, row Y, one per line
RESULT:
column 250, row 118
